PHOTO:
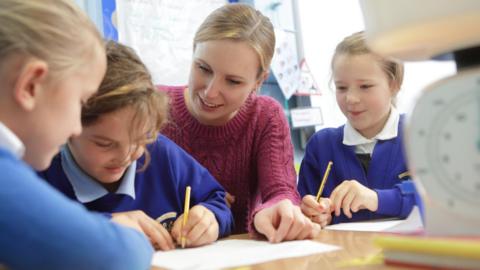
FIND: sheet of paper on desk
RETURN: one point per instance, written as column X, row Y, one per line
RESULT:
column 232, row 253
column 412, row 224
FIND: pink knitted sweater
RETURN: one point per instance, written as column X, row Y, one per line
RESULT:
column 251, row 156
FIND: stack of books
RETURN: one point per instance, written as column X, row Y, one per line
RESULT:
column 432, row 252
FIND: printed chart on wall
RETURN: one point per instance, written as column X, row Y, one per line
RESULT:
column 161, row 32
column 285, row 64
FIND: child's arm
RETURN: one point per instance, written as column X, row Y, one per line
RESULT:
column 201, row 228
column 318, row 212
column 309, row 177
column 318, row 153
column 206, row 191
column 158, row 235
column 40, row 228
column 351, row 196
column 312, row 171
column 397, row 201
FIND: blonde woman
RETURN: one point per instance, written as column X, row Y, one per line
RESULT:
column 241, row 137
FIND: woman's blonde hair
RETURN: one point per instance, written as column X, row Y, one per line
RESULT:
column 355, row 45
column 128, row 83
column 240, row 22
column 55, row 31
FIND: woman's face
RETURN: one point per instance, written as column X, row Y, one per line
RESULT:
column 222, row 76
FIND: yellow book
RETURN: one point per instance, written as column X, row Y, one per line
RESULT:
column 439, row 246
column 430, row 251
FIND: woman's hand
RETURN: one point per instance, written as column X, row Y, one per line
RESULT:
column 284, row 221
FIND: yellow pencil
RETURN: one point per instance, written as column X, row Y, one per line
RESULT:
column 324, row 180
column 186, row 208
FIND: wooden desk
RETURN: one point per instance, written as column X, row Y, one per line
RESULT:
column 354, row 245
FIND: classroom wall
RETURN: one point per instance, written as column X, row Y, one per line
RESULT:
column 321, row 25
column 94, row 11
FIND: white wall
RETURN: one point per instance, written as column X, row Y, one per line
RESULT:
column 324, row 24
column 94, row 11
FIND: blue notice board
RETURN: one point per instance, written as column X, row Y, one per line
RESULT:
column 109, row 28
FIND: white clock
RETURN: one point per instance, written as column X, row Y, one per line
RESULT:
column 443, row 149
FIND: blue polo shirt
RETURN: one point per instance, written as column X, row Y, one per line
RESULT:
column 159, row 190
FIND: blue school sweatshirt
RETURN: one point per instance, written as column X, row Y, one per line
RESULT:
column 159, row 190
column 41, row 229
column 395, row 198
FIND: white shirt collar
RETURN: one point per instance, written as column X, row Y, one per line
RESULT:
column 11, row 142
column 364, row 145
column 86, row 188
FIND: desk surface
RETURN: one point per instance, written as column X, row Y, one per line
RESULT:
column 355, row 247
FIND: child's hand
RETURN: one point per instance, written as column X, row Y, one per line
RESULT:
column 158, row 235
column 201, row 229
column 284, row 221
column 229, row 199
column 352, row 196
column 319, row 212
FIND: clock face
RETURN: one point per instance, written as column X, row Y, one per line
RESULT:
column 443, row 143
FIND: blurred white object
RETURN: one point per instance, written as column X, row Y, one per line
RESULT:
column 443, row 133
column 419, row 30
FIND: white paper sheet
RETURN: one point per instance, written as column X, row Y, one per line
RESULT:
column 231, row 253
column 364, row 226
column 412, row 224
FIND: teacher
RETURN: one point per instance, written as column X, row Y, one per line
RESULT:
column 241, row 137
